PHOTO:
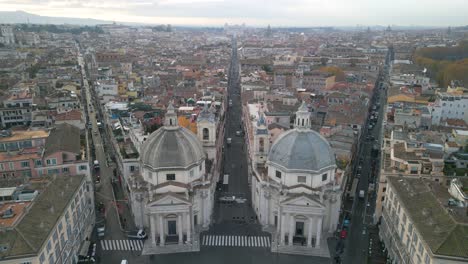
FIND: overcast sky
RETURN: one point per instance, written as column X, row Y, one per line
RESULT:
column 255, row 12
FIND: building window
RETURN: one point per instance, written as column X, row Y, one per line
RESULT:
column 261, row 145
column 170, row 177
column 427, row 259
column 25, row 164
column 1, row 166
column 200, row 166
column 82, row 167
column 42, row 258
column 301, row 179
column 49, row 246
column 191, row 173
column 324, row 177
column 38, row 163
column 65, row 170
column 206, row 134
column 53, row 171
column 132, row 168
column 11, row 165
column 278, row 174
column 51, row 162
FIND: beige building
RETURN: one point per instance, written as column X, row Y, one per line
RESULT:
column 422, row 223
column 51, row 228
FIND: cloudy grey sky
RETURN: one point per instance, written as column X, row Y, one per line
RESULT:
column 255, row 12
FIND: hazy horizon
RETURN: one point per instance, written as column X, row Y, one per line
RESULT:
column 277, row 13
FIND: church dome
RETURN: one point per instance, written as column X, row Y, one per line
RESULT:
column 171, row 147
column 303, row 150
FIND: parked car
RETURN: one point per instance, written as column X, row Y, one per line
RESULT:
column 101, row 231
column 240, row 200
column 227, row 199
column 140, row 234
column 239, row 133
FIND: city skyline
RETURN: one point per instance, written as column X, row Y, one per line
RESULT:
column 279, row 13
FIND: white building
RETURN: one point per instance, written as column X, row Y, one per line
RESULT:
column 449, row 106
column 109, row 87
column 295, row 195
column 172, row 195
column 7, row 36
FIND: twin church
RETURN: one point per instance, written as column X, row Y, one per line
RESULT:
column 293, row 186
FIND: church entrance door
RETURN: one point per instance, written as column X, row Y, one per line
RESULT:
column 299, row 228
column 171, row 228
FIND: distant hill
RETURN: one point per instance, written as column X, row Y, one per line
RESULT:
column 21, row 17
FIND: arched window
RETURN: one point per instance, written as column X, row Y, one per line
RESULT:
column 170, row 121
column 261, row 145
column 206, row 134
column 302, row 122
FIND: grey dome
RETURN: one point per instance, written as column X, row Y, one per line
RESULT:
column 171, row 147
column 302, row 149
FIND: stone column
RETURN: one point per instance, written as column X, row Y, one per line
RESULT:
column 319, row 232
column 179, row 228
column 291, row 229
column 153, row 229
column 278, row 223
column 309, row 235
column 283, row 227
column 189, row 227
column 161, row 230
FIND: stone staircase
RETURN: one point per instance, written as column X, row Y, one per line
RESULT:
column 151, row 249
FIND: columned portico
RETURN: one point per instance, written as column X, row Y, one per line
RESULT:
column 319, row 231
column 292, row 222
column 309, row 235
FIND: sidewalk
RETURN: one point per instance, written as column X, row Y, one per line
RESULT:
column 125, row 214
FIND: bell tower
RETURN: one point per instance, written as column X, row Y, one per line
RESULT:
column 206, row 131
column 261, row 141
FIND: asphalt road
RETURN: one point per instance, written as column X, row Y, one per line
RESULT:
column 104, row 193
column 234, row 163
column 357, row 242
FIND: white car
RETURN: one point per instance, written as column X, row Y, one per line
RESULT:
column 227, row 199
column 241, row 200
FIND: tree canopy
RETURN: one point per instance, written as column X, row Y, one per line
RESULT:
column 445, row 64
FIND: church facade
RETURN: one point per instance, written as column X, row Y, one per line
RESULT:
column 172, row 195
column 294, row 191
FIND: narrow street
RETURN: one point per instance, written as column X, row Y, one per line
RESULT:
column 357, row 241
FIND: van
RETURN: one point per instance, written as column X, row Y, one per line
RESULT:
column 124, row 261
column 361, row 194
column 229, row 141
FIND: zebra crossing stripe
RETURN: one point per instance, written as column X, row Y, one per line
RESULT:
column 232, row 241
column 121, row 245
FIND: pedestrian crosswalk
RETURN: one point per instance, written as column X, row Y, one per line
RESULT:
column 236, row 241
column 122, row 245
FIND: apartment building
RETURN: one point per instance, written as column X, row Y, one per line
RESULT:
column 16, row 108
column 36, row 153
column 52, row 227
column 423, row 223
column 449, row 106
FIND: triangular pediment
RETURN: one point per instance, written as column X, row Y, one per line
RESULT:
column 169, row 199
column 302, row 200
